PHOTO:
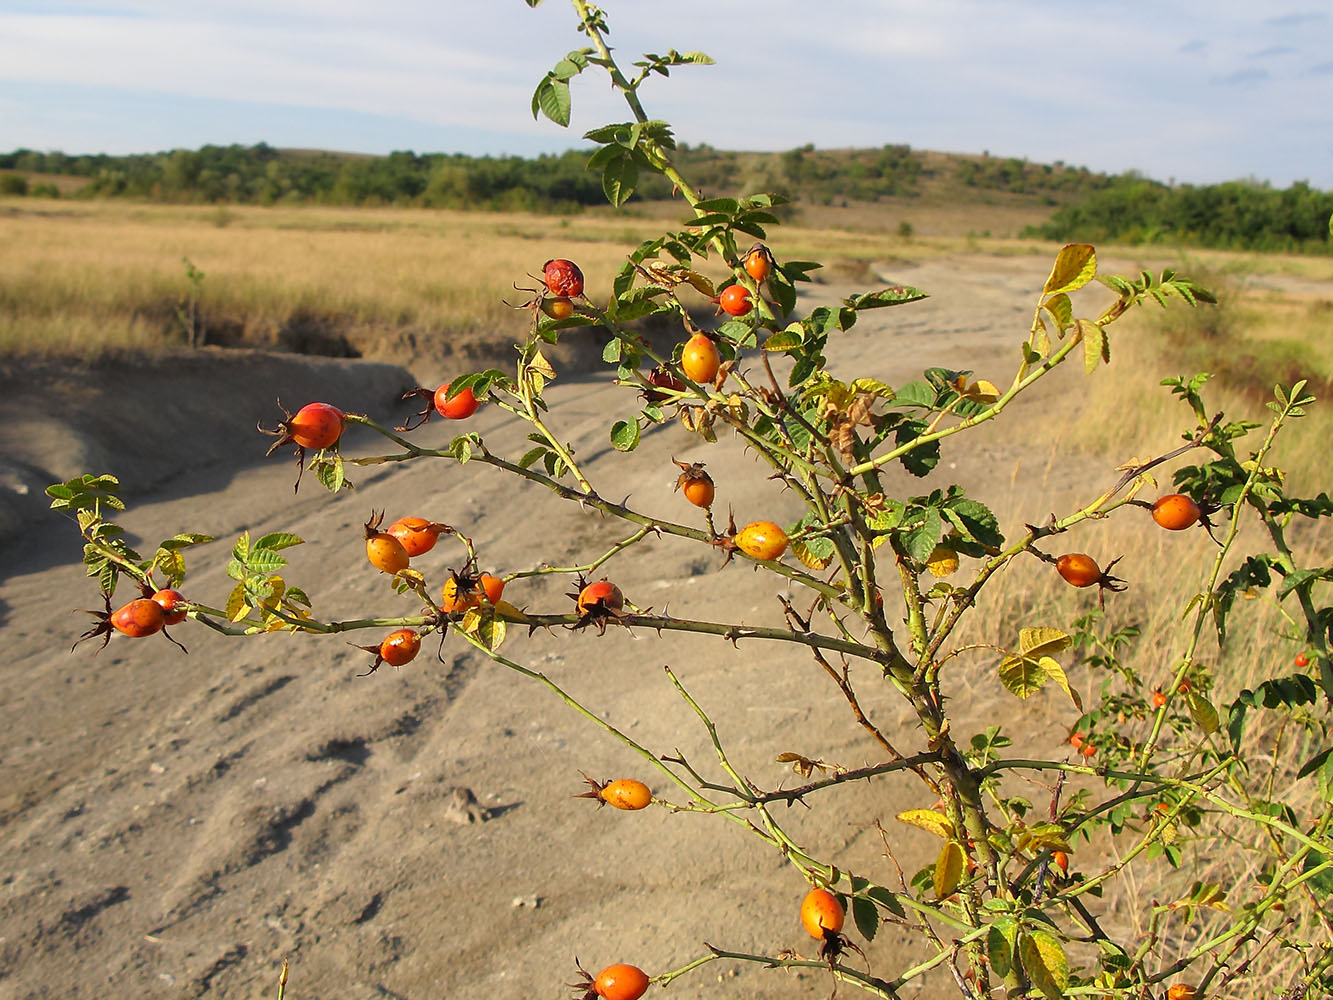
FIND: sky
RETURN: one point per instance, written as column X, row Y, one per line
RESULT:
column 1195, row 91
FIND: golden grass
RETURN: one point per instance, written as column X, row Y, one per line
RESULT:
column 107, row 276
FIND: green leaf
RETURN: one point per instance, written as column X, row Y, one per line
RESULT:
column 886, row 899
column 1322, row 884
column 329, row 471
column 625, row 435
column 1001, row 941
column 817, row 553
column 866, row 916
column 619, row 178
column 976, row 522
column 182, row 541
column 923, row 533
column 916, row 394
column 895, row 295
column 264, row 561
column 922, row 459
column 1045, row 963
column 552, row 98
column 1074, row 267
column 785, row 340
column 277, row 540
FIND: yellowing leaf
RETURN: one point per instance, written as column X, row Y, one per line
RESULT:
column 1061, row 310
column 504, row 609
column 1041, row 341
column 981, row 391
column 1057, row 673
column 873, row 387
column 948, row 869
column 1203, row 713
column 1075, row 265
column 942, row 561
column 237, row 608
column 816, row 553
column 1046, row 836
column 1094, row 344
column 541, row 366
column 701, row 283
column 929, row 820
column 1045, row 963
column 1042, row 641
column 1001, row 939
column 484, row 627
column 1022, row 675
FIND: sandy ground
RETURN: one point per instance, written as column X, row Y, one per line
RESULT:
column 175, row 826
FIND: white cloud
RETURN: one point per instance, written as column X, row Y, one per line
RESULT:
column 1080, row 83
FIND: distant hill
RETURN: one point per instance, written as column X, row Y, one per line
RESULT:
column 265, row 174
column 1081, row 204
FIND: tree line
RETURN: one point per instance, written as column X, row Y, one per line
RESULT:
column 1240, row 215
column 1090, row 206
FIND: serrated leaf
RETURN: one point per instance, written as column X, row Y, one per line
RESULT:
column 276, row 540
column 886, row 899
column 895, row 295
column 172, row 565
column 1042, row 641
column 785, row 340
column 948, row 869
column 1094, row 344
column 817, row 553
column 1044, row 961
column 552, row 98
column 264, row 561
column 185, row 540
column 930, row 821
column 625, row 435
column 620, row 176
column 1001, row 941
column 329, row 472
column 866, row 916
column 1022, row 676
column 923, row 533
column 1075, row 265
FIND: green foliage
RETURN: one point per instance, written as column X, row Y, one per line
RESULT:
column 1234, row 215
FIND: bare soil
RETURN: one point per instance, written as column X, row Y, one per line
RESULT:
column 174, row 826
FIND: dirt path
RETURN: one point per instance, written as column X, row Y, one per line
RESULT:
column 174, row 826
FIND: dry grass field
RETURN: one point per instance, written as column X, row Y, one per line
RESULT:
column 95, row 281
column 88, row 278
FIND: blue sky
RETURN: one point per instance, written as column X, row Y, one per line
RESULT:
column 1195, row 90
